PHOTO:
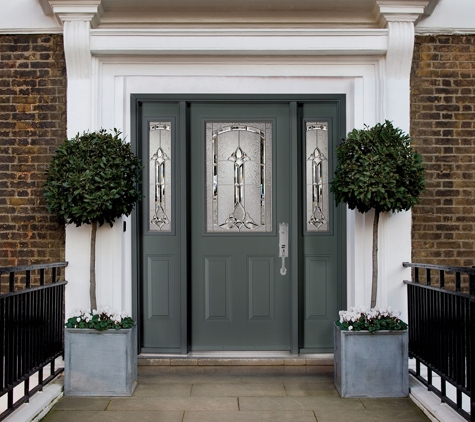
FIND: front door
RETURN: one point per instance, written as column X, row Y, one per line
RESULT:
column 222, row 178
column 240, row 192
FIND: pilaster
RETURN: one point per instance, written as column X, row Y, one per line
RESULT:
column 399, row 18
column 77, row 19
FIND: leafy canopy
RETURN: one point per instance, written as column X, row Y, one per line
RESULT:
column 93, row 177
column 378, row 169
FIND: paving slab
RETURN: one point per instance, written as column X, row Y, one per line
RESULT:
column 309, row 388
column 174, row 403
column 138, row 416
column 388, row 404
column 83, row 403
column 238, row 390
column 283, row 378
column 242, row 397
column 369, row 416
column 163, row 390
column 251, row 416
column 328, row 402
column 187, row 378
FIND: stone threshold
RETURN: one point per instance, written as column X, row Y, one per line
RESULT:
column 236, row 359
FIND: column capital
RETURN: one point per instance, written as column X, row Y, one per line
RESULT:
column 403, row 10
column 77, row 10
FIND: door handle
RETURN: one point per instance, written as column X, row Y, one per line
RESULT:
column 283, row 245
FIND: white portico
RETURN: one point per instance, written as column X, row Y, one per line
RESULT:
column 362, row 49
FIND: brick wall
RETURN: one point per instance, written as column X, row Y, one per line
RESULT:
column 443, row 131
column 32, row 124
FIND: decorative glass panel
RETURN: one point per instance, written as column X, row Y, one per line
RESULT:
column 160, row 150
column 238, row 177
column 316, row 139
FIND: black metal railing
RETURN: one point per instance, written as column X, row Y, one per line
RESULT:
column 31, row 329
column 441, row 304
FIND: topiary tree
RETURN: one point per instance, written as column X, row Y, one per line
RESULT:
column 93, row 179
column 377, row 169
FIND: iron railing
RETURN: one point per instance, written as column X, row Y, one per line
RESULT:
column 31, row 330
column 441, row 304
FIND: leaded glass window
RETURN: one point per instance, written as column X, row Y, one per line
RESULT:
column 317, row 187
column 160, row 172
column 238, row 177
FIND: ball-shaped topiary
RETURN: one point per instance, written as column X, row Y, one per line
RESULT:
column 93, row 179
column 378, row 169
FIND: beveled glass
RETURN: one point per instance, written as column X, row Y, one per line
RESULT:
column 160, row 171
column 238, row 177
column 316, row 154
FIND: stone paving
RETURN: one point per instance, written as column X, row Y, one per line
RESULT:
column 245, row 396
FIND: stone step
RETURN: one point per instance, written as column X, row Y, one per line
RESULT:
column 235, row 363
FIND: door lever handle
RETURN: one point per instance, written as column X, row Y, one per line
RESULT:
column 283, row 245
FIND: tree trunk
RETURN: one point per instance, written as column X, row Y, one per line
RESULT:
column 92, row 267
column 374, row 284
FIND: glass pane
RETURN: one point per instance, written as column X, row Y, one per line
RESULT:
column 316, row 140
column 238, row 177
column 160, row 150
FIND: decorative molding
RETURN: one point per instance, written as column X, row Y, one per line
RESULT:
column 402, row 10
column 77, row 48
column 30, row 31
column 400, row 49
column 65, row 10
column 444, row 31
column 349, row 14
column 233, row 41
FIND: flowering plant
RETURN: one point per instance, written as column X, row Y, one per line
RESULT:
column 374, row 319
column 100, row 319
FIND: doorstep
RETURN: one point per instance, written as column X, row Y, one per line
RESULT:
column 236, row 362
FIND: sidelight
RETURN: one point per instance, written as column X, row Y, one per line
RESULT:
column 160, row 176
column 316, row 140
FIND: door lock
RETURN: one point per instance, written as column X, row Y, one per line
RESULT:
column 283, row 245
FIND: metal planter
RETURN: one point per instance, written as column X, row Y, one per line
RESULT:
column 100, row 363
column 371, row 365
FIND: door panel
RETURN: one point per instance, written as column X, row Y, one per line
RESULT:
column 234, row 251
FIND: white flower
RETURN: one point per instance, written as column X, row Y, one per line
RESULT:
column 350, row 327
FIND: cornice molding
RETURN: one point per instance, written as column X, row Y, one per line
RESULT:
column 143, row 13
column 444, row 31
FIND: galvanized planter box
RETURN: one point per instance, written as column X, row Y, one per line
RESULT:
column 100, row 363
column 371, row 365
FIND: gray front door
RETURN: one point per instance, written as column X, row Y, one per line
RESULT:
column 240, row 191
column 220, row 176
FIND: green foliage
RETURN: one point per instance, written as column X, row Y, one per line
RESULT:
column 377, row 168
column 93, row 177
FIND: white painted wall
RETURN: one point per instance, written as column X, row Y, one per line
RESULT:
column 23, row 16
column 450, row 16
